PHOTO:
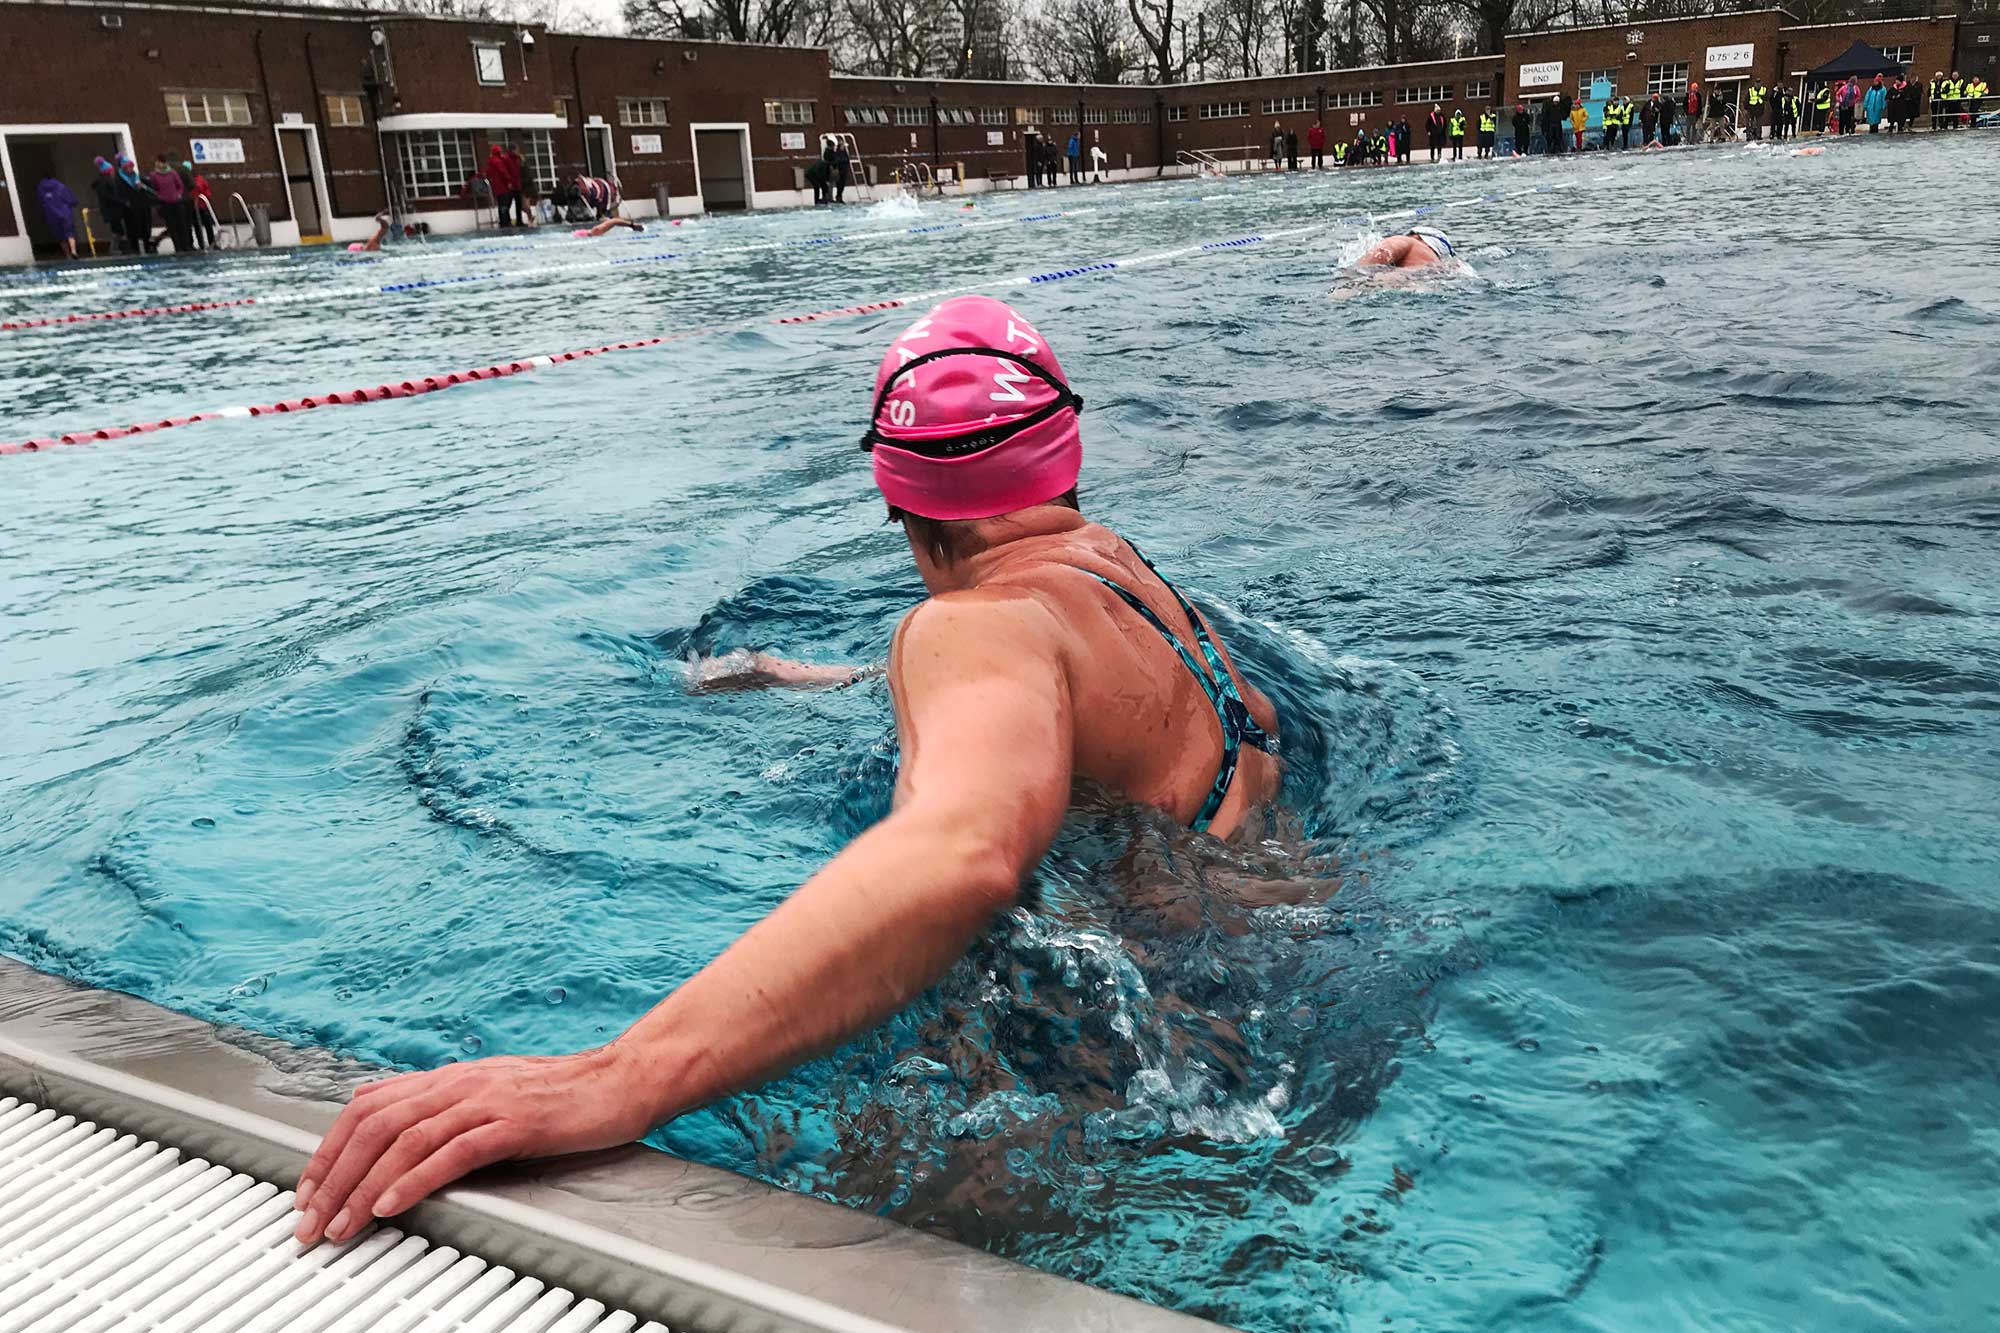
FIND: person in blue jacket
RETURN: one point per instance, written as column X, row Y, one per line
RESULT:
column 1075, row 158
column 1875, row 105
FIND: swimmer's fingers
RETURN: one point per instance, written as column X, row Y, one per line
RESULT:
column 384, row 1192
column 365, row 1131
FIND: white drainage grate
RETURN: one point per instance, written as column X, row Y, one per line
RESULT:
column 102, row 1232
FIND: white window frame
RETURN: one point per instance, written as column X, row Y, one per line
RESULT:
column 642, row 112
column 912, row 114
column 435, row 164
column 1478, row 90
column 1427, row 92
column 1667, row 80
column 202, row 110
column 1906, row 58
column 1587, row 78
column 993, row 115
column 538, row 157
column 334, row 106
column 1132, row 115
column 1348, row 101
column 790, row 111
column 480, row 52
column 1224, row 110
column 1278, row 106
column 1058, row 115
column 1176, row 113
column 1096, row 115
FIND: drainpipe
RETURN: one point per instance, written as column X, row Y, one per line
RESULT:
column 582, row 134
column 271, row 110
column 936, row 155
column 1160, row 134
column 319, row 105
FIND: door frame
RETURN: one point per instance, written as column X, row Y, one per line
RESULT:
column 742, row 128
column 609, row 139
column 15, row 193
column 316, row 164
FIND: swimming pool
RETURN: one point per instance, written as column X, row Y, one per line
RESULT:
column 1630, row 606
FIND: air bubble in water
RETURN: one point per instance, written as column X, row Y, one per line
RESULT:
column 255, row 986
column 555, row 995
column 204, row 822
column 1528, row 1044
column 470, row 1044
column 1019, row 1162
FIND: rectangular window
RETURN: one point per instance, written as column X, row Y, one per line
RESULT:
column 913, row 115
column 865, row 115
column 489, row 61
column 1024, row 115
column 1428, row 92
column 1095, row 115
column 1478, row 90
column 1275, row 105
column 1224, row 110
column 1905, row 56
column 1175, row 113
column 642, row 111
column 1587, row 79
column 1667, row 80
column 1058, row 115
column 1354, row 99
column 538, row 157
column 436, row 163
column 955, row 115
column 788, row 113
column 993, row 115
column 1132, row 115
column 201, row 110
column 343, row 110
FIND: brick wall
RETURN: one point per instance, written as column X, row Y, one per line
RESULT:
column 1670, row 43
column 1351, row 98
column 1806, row 47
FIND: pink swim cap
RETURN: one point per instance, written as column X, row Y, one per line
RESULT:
column 356, row 247
column 972, row 415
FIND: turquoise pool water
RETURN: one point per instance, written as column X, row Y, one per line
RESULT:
column 1631, row 604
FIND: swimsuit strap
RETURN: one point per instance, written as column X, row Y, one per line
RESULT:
column 1217, row 685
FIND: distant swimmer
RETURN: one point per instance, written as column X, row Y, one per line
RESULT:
column 605, row 225
column 1049, row 654
column 374, row 242
column 1813, row 151
column 1417, row 248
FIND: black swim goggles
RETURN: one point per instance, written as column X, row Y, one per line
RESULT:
column 978, row 441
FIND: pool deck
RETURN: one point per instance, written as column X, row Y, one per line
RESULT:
column 698, row 1247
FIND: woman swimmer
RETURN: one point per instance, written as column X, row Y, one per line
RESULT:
column 1048, row 650
column 1416, row 248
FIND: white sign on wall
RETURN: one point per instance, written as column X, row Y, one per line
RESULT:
column 645, row 143
column 1542, row 75
column 1732, row 57
column 215, row 150
column 791, row 138
column 994, row 138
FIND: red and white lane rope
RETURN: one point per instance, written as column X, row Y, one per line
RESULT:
column 409, row 388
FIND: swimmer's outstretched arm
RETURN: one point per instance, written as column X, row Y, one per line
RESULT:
column 983, row 713
column 744, row 670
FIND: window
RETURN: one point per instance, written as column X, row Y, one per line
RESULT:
column 1428, row 92
column 642, row 111
column 1223, row 110
column 1274, row 105
column 955, row 115
column 203, row 109
column 913, row 115
column 1095, row 115
column 865, row 115
column 1905, row 56
column 1132, row 115
column 436, row 163
column 538, row 157
column 1024, row 115
column 1479, row 90
column 1667, row 80
column 343, row 109
column 489, row 61
column 1175, row 113
column 788, row 113
column 1587, row 79
column 1058, row 115
column 1354, row 99
column 993, row 115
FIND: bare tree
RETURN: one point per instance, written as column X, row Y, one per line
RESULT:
column 795, row 22
column 896, row 38
column 1243, row 33
column 1081, row 41
column 1154, row 22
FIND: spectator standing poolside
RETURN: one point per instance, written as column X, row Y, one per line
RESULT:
column 1277, row 147
column 1875, row 105
column 1849, row 97
column 1292, row 149
column 1489, row 129
column 59, row 213
column 1579, row 116
column 1649, row 121
column 1434, row 125
column 172, row 195
column 110, row 208
column 1316, row 142
column 1456, row 128
column 1522, row 129
column 1075, row 154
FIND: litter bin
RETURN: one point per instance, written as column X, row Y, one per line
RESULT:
column 662, row 197
column 260, row 223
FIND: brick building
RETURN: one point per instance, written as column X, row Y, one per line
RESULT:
column 321, row 116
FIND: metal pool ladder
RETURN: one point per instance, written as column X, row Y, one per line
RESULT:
column 103, row 1230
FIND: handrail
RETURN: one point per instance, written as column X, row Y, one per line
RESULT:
column 248, row 221
column 202, row 201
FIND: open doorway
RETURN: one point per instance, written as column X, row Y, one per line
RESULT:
column 65, row 152
column 722, row 166
column 305, row 181
column 598, row 157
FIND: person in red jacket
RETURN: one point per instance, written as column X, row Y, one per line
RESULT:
column 1316, row 141
column 505, row 185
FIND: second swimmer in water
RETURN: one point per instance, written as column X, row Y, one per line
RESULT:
column 1417, row 248
column 1049, row 651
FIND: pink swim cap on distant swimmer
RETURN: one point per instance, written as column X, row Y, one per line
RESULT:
column 972, row 415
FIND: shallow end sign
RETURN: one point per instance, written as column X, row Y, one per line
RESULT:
column 1732, row 57
column 215, row 150
column 1542, row 75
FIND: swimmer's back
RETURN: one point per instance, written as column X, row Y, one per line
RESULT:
column 1141, row 723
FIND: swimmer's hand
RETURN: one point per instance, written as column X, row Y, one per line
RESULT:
column 745, row 670
column 407, row 1137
